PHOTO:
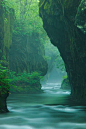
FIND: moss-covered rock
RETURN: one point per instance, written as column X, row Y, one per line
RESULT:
column 80, row 19
column 65, row 84
column 6, row 25
column 59, row 23
column 27, row 54
column 3, row 104
column 4, row 88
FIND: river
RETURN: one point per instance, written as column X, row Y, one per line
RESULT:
column 48, row 110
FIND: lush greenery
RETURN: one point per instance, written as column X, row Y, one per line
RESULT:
column 20, row 83
column 25, row 82
column 27, row 20
column 4, row 81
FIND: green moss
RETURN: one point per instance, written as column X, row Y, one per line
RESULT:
column 47, row 6
column 7, row 32
column 41, row 3
column 70, row 41
column 71, row 3
column 8, row 25
column 65, row 84
column 68, row 3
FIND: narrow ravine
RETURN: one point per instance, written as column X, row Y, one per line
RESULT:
column 48, row 110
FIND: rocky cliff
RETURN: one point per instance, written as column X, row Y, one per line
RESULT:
column 65, row 24
column 18, row 51
column 6, row 25
column 27, row 54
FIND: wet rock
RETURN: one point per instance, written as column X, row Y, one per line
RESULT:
column 6, row 26
column 80, row 19
column 3, row 104
column 59, row 22
column 65, row 84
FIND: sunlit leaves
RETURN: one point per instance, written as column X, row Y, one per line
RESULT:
column 27, row 14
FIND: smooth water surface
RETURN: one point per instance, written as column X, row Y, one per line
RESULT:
column 48, row 110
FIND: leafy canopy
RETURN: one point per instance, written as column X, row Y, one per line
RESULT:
column 26, row 16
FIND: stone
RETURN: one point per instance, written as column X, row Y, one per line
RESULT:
column 59, row 22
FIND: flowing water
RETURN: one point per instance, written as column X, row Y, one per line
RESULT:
column 48, row 110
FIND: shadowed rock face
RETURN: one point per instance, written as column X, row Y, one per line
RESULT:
column 59, row 20
column 65, row 84
column 3, row 104
column 80, row 18
column 5, row 42
column 27, row 54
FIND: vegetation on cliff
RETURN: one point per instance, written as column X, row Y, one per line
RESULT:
column 4, row 81
column 6, row 27
column 24, row 49
column 27, row 49
column 26, row 43
column 65, row 85
column 22, row 44
column 25, row 82
column 4, row 88
column 61, row 20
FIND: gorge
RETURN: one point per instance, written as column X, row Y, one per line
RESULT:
column 22, row 41
column 65, row 24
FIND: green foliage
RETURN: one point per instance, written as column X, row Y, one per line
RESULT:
column 26, row 16
column 65, row 77
column 25, row 82
column 20, row 83
column 4, row 81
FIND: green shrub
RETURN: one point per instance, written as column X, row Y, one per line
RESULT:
column 65, row 77
column 19, row 83
column 25, row 82
column 4, row 81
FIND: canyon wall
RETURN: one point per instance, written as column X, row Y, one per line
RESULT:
column 65, row 24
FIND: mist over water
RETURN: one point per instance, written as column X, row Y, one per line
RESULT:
column 54, row 77
column 48, row 110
